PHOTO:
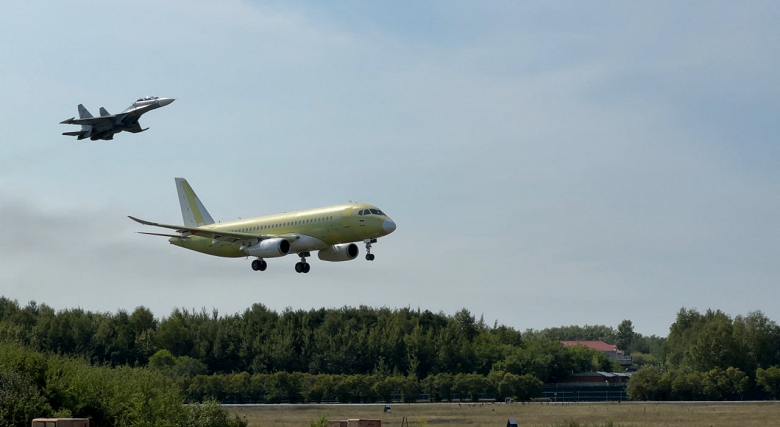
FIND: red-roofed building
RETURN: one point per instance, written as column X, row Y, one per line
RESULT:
column 610, row 349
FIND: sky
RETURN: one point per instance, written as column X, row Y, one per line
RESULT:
column 546, row 163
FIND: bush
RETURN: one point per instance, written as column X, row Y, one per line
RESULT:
column 322, row 421
column 643, row 384
column 769, row 379
column 211, row 414
column 20, row 400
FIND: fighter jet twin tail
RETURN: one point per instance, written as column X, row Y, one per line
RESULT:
column 105, row 126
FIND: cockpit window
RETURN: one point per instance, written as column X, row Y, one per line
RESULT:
column 147, row 98
column 376, row 212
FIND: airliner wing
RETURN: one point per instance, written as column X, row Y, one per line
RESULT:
column 206, row 232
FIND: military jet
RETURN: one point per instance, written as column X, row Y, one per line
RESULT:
column 105, row 126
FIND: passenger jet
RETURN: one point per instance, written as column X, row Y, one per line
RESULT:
column 332, row 231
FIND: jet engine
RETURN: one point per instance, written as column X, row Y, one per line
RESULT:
column 269, row 248
column 342, row 252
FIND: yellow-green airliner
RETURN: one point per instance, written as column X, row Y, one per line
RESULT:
column 332, row 231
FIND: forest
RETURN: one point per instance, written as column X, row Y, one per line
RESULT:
column 344, row 341
column 368, row 354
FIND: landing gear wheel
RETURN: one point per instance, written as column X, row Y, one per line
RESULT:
column 369, row 255
column 303, row 266
column 259, row 265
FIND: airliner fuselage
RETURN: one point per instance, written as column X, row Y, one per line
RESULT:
column 308, row 230
column 331, row 231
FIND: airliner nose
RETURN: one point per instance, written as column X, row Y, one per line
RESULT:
column 166, row 101
column 388, row 226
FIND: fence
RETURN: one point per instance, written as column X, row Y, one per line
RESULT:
column 585, row 392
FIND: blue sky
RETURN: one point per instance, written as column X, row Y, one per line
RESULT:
column 547, row 163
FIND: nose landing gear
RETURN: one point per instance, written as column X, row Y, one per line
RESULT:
column 303, row 266
column 369, row 255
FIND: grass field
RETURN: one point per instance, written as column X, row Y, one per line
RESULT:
column 636, row 414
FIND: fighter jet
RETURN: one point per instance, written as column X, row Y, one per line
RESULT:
column 105, row 126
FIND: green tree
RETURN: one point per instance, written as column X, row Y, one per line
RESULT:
column 25, row 361
column 769, row 379
column 546, row 360
column 759, row 341
column 625, row 335
column 685, row 385
column 641, row 359
column 163, row 360
column 529, row 387
column 738, row 381
column 702, row 342
column 20, row 400
column 211, row 414
column 643, row 384
column 444, row 383
column 715, row 384
column 428, row 386
column 519, row 387
column 508, row 385
column 188, row 367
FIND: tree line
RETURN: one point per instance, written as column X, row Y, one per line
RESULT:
column 208, row 354
column 710, row 356
column 345, row 341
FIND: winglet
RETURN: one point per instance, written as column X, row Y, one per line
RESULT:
column 192, row 210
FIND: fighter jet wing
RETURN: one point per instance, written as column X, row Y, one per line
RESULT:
column 135, row 128
column 209, row 233
column 92, row 121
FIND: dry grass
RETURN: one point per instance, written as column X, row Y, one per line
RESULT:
column 636, row 414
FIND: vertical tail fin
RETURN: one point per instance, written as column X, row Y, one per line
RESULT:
column 192, row 210
column 83, row 113
column 104, row 112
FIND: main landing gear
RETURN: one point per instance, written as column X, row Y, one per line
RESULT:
column 259, row 265
column 369, row 255
column 303, row 266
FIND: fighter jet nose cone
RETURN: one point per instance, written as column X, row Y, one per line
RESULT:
column 388, row 226
column 166, row 101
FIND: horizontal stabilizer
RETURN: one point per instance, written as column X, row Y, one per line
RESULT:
column 72, row 133
column 140, row 221
column 231, row 236
column 164, row 235
column 67, row 122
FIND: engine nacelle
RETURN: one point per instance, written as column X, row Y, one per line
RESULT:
column 342, row 252
column 269, row 248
